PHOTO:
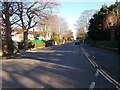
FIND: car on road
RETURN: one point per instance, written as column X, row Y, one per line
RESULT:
column 77, row 42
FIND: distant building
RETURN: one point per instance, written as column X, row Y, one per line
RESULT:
column 17, row 35
column 31, row 35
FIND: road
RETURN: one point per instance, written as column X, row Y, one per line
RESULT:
column 62, row 66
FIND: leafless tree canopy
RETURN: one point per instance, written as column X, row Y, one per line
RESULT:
column 55, row 24
column 83, row 21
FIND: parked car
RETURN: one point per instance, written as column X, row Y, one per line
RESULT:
column 77, row 42
column 50, row 43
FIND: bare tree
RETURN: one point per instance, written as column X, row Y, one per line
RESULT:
column 55, row 26
column 58, row 25
column 68, row 35
column 83, row 21
column 44, row 27
column 32, row 12
column 82, row 24
column 8, row 11
column 62, row 26
column 53, row 23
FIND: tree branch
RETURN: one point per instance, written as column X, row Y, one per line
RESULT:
column 15, row 22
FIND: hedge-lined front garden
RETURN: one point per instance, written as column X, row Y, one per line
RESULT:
column 32, row 44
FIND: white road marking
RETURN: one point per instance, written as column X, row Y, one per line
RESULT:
column 95, row 63
column 117, row 87
column 92, row 86
column 91, row 62
column 109, row 78
column 97, row 73
column 87, row 54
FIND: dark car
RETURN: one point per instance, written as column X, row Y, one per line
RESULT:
column 77, row 42
column 50, row 43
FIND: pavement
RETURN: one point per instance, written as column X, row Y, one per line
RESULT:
column 62, row 66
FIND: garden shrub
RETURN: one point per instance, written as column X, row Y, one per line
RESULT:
column 39, row 44
column 21, row 44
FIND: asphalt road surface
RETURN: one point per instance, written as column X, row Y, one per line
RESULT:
column 62, row 66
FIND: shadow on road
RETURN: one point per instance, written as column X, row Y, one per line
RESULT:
column 43, row 68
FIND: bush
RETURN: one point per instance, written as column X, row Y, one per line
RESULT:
column 110, row 44
column 31, row 44
column 22, row 44
column 39, row 44
column 104, row 44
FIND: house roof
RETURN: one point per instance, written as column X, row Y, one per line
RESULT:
column 20, row 30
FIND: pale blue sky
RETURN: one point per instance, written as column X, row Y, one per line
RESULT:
column 71, row 11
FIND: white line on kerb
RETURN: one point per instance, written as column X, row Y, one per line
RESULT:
column 88, row 57
column 87, row 54
column 92, row 86
column 117, row 87
column 109, row 77
column 97, row 73
column 95, row 63
column 91, row 62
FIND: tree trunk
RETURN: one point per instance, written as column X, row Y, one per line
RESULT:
column 10, row 46
column 8, row 37
column 25, row 40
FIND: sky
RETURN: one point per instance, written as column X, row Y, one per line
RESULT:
column 71, row 11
